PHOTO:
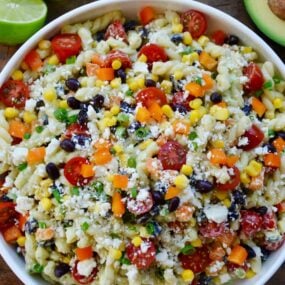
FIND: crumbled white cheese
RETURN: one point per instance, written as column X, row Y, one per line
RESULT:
column 243, row 141
column 163, row 258
column 30, row 105
column 216, row 213
column 24, row 204
column 140, row 67
column 19, row 155
column 86, row 267
column 143, row 195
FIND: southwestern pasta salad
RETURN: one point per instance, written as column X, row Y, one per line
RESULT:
column 143, row 152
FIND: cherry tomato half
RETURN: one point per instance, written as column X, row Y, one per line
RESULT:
column 269, row 221
column 179, row 99
column 219, row 37
column 233, row 183
column 194, row 22
column 66, row 45
column 251, row 222
column 153, row 53
column 254, row 137
column 116, row 30
column 119, row 55
column 212, row 229
column 76, row 129
column 14, row 93
column 172, row 155
column 139, row 207
column 8, row 215
column 141, row 256
column 33, row 60
column 197, row 261
column 255, row 77
column 151, row 94
column 83, row 279
column 72, row 171
column 273, row 246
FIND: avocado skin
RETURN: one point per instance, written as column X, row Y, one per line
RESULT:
column 261, row 14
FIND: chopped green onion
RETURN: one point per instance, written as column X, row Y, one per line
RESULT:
column 258, row 93
column 124, row 260
column 27, row 136
column 61, row 115
column 277, row 79
column 98, row 186
column 134, row 192
column 85, row 226
column 22, row 166
column 74, row 191
column 39, row 129
column 72, row 119
column 150, row 228
column 114, row 235
column 56, row 195
column 132, row 162
column 121, row 132
column 42, row 225
column 268, row 85
column 37, row 268
column 186, row 51
column 271, row 133
column 195, row 145
column 71, row 60
column 123, row 118
column 129, row 93
column 142, row 132
column 192, row 136
column 198, row 80
column 187, row 249
column 48, row 68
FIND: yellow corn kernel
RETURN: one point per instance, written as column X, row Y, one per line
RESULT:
column 203, row 40
column 118, row 148
column 190, row 58
column 99, row 83
column 270, row 115
column 178, row 74
column 29, row 117
column 277, row 103
column 24, row 66
column 123, row 159
column 221, row 195
column 186, row 169
column 195, row 116
column 116, row 253
column 250, row 274
column 133, row 85
column 84, row 82
column 220, row 114
column 21, row 241
column 116, row 64
column 116, row 83
column 53, row 60
column 46, row 204
column 110, row 177
column 196, row 103
column 203, row 111
column 142, row 58
column 144, row 233
column 192, row 222
column 110, row 122
column 187, row 38
column 108, row 114
column 177, row 28
column 254, row 168
column 246, row 49
column 196, row 243
column 49, row 94
column 17, row 75
column 187, row 275
column 63, row 104
column 218, row 144
column 167, row 111
column 11, row 113
column 181, row 181
column 154, row 77
column 145, row 144
column 44, row 44
column 227, row 203
column 140, row 82
column 137, row 241
column 66, row 259
column 244, row 178
column 115, row 110
column 166, row 85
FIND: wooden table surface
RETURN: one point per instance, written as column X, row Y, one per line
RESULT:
column 58, row 7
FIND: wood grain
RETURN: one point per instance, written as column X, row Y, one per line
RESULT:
column 58, row 7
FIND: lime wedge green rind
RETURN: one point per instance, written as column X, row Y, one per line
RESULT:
column 272, row 26
column 20, row 19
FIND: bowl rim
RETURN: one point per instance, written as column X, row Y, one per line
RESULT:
column 15, row 60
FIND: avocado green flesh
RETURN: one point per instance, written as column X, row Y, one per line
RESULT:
column 266, row 20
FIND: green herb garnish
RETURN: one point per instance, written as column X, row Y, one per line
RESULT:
column 186, row 51
column 192, row 136
column 42, row 225
column 61, row 115
column 268, row 85
column 142, row 132
column 271, row 133
column 37, row 268
column 187, row 249
column 22, row 166
column 56, row 195
column 129, row 93
column 39, row 129
column 132, row 162
column 71, row 60
column 27, row 136
column 85, row 226
column 74, row 191
column 134, row 192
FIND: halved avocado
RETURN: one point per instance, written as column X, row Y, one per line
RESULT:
column 271, row 25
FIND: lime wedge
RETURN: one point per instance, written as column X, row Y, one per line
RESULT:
column 20, row 19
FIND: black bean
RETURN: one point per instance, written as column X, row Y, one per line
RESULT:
column 97, row 102
column 72, row 84
column 180, row 108
column 100, row 36
column 177, row 38
column 251, row 253
column 130, row 25
column 281, row 134
column 203, row 186
column 261, row 210
column 81, row 140
column 133, row 127
column 67, row 145
column 270, row 148
column 39, row 104
column 31, row 226
column 61, row 269
column 144, row 33
column 247, row 109
column 216, row 97
column 233, row 213
column 150, row 83
column 52, row 171
column 265, row 254
column 173, row 204
column 238, row 197
column 203, row 279
column 232, row 40
column 5, row 198
column 127, row 108
column 45, row 120
column 154, row 211
column 143, row 219
column 121, row 74
column 201, row 217
column 82, row 117
column 199, row 51
column 160, row 186
column 158, row 197
column 73, row 103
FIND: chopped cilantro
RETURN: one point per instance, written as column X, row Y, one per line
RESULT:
column 42, row 225
column 187, row 249
column 134, row 192
column 61, row 115
column 129, row 93
column 132, row 162
column 192, row 136
column 74, row 191
column 150, row 228
column 72, row 119
column 56, row 195
column 27, row 136
column 277, row 79
column 142, row 132
column 39, row 129
column 85, row 226
column 98, row 186
column 48, row 68
column 22, row 166
column 71, row 60
column 271, row 133
column 187, row 50
column 198, row 80
column 124, row 260
column 37, row 268
column 258, row 93
column 268, row 85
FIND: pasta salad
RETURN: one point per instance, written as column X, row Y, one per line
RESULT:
column 143, row 151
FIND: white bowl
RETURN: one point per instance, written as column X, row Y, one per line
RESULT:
column 216, row 18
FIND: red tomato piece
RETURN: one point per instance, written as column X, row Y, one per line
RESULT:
column 147, row 14
column 251, row 222
column 14, row 93
column 72, row 171
column 269, row 221
column 66, row 45
column 255, row 136
column 139, row 207
column 194, row 22
column 212, row 229
column 281, row 207
column 8, row 215
column 151, row 94
column 179, row 99
column 83, row 279
column 142, row 256
column 76, row 129
column 33, row 60
column 255, row 77
column 219, row 37
column 177, row 227
column 116, row 30
column 233, row 183
column 153, row 53
column 172, row 155
column 119, row 55
column 272, row 246
column 197, row 261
